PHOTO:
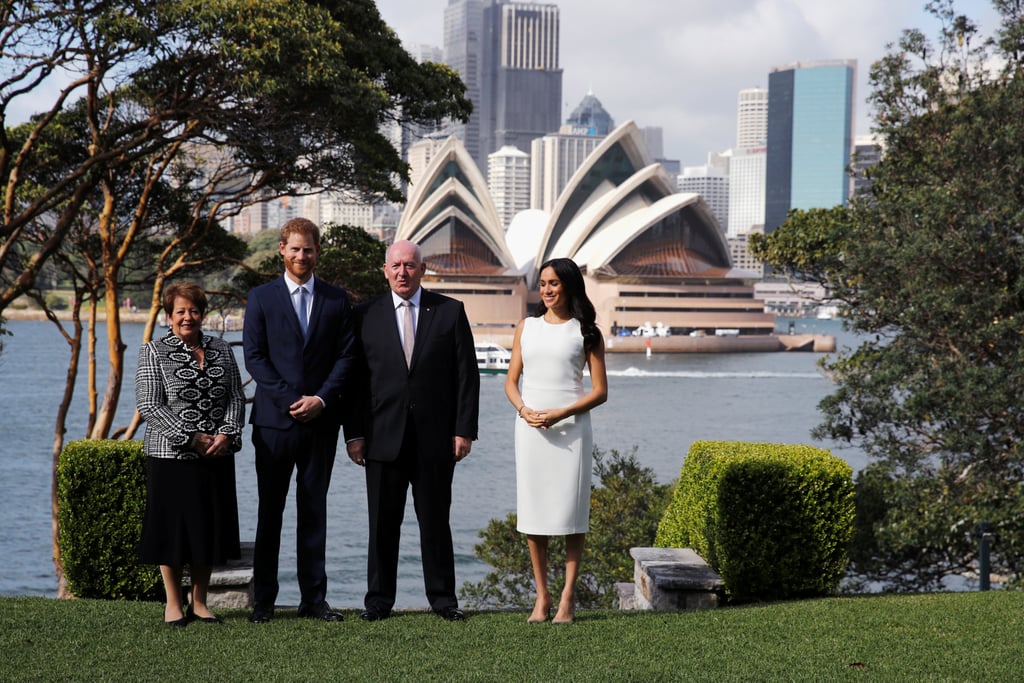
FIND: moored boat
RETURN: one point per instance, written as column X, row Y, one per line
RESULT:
column 491, row 358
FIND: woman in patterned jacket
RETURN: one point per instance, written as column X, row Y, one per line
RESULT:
column 189, row 391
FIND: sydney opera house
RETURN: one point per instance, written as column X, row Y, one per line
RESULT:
column 649, row 254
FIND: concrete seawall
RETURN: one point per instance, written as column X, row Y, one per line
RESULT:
column 760, row 343
column 817, row 343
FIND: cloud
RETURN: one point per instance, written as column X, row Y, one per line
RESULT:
column 680, row 64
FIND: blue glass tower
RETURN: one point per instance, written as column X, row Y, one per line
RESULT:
column 810, row 135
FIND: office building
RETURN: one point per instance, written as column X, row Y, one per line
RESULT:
column 464, row 41
column 590, row 117
column 867, row 152
column 809, row 137
column 507, row 55
column 747, row 165
column 420, row 155
column 746, row 190
column 739, row 252
column 711, row 182
column 752, row 118
column 556, row 156
column 508, row 179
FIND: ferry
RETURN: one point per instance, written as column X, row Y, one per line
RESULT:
column 492, row 359
column 827, row 312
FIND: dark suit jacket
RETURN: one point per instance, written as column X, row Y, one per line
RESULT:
column 440, row 391
column 285, row 366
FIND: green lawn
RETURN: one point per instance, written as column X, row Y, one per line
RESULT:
column 936, row 637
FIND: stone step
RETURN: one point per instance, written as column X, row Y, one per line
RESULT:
column 231, row 584
column 671, row 579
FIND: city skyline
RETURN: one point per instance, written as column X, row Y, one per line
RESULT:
column 680, row 67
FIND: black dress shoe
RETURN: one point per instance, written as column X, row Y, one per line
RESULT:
column 192, row 616
column 450, row 614
column 375, row 614
column 321, row 611
column 178, row 623
column 261, row 615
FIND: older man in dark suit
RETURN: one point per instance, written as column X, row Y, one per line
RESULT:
column 298, row 343
column 417, row 419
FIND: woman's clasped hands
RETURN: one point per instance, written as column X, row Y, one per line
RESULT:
column 542, row 419
column 211, row 445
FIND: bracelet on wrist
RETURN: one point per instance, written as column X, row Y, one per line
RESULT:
column 520, row 411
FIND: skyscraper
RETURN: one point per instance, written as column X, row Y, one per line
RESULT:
column 464, row 42
column 507, row 54
column 711, row 182
column 508, row 179
column 747, row 166
column 810, row 121
column 591, row 117
column 752, row 118
column 867, row 152
column 553, row 160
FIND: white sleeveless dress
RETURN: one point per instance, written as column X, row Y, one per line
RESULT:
column 553, row 466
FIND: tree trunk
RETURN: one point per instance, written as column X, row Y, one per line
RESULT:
column 115, row 372
column 75, row 342
column 155, row 306
column 91, row 385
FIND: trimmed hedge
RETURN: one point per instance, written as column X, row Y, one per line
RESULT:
column 773, row 520
column 101, row 494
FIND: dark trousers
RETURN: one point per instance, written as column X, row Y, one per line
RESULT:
column 309, row 452
column 430, row 475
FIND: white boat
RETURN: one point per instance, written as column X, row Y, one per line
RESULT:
column 827, row 312
column 491, row 358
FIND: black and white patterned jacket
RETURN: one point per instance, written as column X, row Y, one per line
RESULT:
column 177, row 398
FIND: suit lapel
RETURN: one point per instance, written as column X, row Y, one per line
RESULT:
column 426, row 319
column 388, row 327
column 315, row 311
column 284, row 299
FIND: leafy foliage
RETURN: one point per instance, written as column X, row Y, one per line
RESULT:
column 350, row 257
column 930, row 267
column 624, row 513
column 773, row 520
column 101, row 488
column 257, row 98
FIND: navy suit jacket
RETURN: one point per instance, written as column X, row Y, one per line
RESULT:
column 440, row 391
column 286, row 366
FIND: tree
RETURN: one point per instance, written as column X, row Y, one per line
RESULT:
column 929, row 267
column 170, row 115
column 624, row 513
column 296, row 92
column 350, row 257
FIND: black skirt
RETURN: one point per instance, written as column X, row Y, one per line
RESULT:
column 191, row 512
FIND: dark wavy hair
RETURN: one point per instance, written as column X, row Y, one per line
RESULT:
column 580, row 306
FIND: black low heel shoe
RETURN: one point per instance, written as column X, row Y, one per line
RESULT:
column 179, row 623
column 192, row 616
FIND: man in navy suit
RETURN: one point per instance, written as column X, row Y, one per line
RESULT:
column 415, row 419
column 298, row 343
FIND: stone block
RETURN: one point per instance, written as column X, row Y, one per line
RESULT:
column 626, row 591
column 231, row 584
column 673, row 579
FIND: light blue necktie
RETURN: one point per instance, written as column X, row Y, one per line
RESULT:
column 303, row 320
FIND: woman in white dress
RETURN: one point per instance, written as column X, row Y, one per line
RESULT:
column 553, row 438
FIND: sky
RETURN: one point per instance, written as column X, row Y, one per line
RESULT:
column 680, row 64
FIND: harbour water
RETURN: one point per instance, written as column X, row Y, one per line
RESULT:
column 659, row 404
